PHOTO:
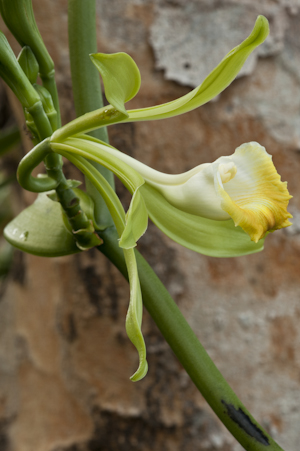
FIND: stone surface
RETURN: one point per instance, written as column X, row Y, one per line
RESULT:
column 65, row 360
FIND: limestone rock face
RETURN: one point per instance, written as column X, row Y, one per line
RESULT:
column 65, row 359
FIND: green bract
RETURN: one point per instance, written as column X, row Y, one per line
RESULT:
column 121, row 77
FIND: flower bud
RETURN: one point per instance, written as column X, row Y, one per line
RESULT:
column 29, row 64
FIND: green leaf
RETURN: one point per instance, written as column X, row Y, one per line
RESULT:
column 206, row 236
column 136, row 222
column 134, row 315
column 40, row 230
column 213, row 85
column 121, row 77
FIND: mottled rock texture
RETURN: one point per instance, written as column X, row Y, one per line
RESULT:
column 65, row 360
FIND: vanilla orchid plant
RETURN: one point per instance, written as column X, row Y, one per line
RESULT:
column 221, row 209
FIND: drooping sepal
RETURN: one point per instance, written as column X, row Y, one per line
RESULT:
column 134, row 315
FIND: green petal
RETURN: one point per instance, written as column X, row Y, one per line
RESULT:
column 206, row 236
column 213, row 85
column 134, row 315
column 121, row 77
column 40, row 230
column 136, row 222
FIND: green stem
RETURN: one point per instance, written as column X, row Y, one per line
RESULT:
column 190, row 352
column 86, row 84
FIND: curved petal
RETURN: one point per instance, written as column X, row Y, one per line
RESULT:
column 134, row 315
column 255, row 197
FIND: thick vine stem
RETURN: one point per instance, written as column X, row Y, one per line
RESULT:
column 86, row 85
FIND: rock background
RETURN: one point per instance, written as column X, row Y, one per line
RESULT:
column 65, row 360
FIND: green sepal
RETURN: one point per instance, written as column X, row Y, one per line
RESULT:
column 40, row 230
column 136, row 222
column 29, row 64
column 134, row 315
column 213, row 84
column 121, row 77
column 206, row 236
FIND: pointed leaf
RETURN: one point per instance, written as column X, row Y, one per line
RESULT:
column 136, row 222
column 121, row 77
column 206, row 236
column 213, row 85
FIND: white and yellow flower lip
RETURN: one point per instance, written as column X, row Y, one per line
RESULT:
column 251, row 191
